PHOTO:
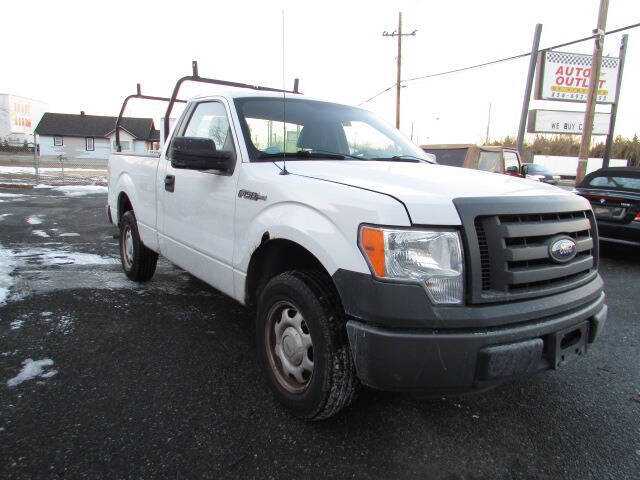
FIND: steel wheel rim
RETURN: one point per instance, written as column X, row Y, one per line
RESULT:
column 289, row 347
column 127, row 247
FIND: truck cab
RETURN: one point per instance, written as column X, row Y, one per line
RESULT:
column 488, row 158
column 365, row 262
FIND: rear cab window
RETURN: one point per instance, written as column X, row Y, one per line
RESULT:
column 453, row 157
column 616, row 182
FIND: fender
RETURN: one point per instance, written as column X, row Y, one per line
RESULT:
column 309, row 228
column 145, row 214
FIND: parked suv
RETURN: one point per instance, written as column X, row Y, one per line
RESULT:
column 366, row 263
column 488, row 158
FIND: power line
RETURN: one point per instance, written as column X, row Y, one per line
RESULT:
column 500, row 60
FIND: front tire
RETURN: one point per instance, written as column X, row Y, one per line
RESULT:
column 303, row 345
column 138, row 262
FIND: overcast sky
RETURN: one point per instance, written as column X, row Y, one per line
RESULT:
column 89, row 55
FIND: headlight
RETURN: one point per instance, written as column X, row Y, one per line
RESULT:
column 432, row 258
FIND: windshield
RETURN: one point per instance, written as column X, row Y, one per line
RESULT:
column 535, row 168
column 319, row 130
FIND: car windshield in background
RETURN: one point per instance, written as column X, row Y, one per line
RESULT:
column 535, row 168
column 319, row 130
column 617, row 182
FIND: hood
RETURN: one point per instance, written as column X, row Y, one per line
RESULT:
column 425, row 189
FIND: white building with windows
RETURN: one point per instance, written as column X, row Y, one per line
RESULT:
column 92, row 137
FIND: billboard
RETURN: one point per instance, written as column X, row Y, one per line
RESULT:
column 565, row 77
column 20, row 115
column 559, row 121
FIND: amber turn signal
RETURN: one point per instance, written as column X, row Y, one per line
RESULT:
column 372, row 243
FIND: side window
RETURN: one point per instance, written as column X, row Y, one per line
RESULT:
column 57, row 141
column 489, row 162
column 209, row 120
column 510, row 160
column 124, row 145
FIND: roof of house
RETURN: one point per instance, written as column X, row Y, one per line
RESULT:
column 74, row 125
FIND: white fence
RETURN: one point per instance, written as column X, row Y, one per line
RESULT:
column 567, row 166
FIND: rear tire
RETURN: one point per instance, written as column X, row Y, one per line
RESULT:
column 138, row 262
column 303, row 346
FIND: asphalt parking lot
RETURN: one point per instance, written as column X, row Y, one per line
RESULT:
column 160, row 380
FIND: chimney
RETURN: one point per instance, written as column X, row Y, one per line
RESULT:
column 82, row 113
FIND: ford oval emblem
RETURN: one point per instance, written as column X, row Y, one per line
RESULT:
column 562, row 249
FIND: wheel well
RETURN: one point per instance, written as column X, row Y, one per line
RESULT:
column 274, row 257
column 124, row 205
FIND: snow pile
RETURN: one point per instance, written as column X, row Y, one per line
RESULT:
column 10, row 195
column 7, row 264
column 32, row 369
column 80, row 190
column 67, row 234
column 2, row 215
column 41, row 233
column 34, row 220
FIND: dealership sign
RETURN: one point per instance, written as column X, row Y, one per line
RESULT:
column 556, row 121
column 20, row 115
column 565, row 76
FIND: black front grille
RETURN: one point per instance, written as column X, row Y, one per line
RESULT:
column 514, row 250
column 485, row 262
column 508, row 252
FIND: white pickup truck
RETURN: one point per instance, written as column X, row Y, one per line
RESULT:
column 366, row 262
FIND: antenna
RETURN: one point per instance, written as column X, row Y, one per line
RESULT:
column 284, row 110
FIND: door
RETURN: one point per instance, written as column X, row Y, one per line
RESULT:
column 511, row 163
column 199, row 206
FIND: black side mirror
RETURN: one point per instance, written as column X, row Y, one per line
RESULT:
column 524, row 169
column 196, row 153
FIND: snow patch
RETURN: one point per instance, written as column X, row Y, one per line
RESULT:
column 46, row 314
column 2, row 215
column 16, row 324
column 48, row 256
column 11, row 195
column 32, row 369
column 41, row 233
column 80, row 190
column 34, row 220
column 7, row 264
column 69, row 234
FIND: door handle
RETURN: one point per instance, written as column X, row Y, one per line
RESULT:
column 169, row 183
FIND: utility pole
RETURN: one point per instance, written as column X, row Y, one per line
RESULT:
column 528, row 87
column 398, row 33
column 486, row 141
column 614, row 108
column 594, row 80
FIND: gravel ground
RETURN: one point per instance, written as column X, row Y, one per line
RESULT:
column 161, row 380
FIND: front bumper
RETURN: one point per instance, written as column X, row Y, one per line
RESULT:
column 450, row 361
column 400, row 346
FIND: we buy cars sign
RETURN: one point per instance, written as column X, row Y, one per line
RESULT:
column 566, row 76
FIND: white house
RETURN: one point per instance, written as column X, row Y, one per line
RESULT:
column 92, row 137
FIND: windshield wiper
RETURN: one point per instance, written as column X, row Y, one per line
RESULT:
column 401, row 158
column 310, row 154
